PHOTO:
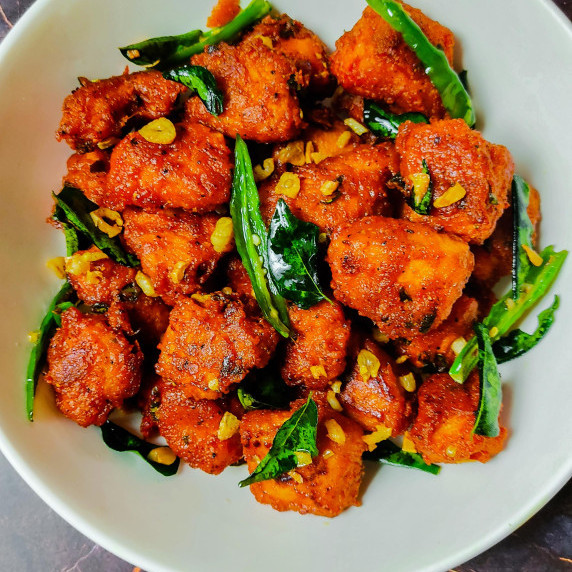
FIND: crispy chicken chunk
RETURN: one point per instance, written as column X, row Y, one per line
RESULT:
column 373, row 395
column 88, row 173
column 194, row 432
column 258, row 84
column 212, row 343
column 434, row 348
column 442, row 431
column 315, row 354
column 337, row 190
column 193, row 172
column 372, row 60
column 328, row 485
column 404, row 276
column 91, row 367
column 174, row 248
column 302, row 47
column 100, row 109
column 457, row 155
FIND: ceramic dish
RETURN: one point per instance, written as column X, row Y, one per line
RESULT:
column 518, row 53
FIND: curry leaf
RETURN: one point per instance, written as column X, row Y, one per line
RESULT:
column 297, row 434
column 389, row 453
column 200, row 80
column 167, row 51
column 293, row 257
column 250, row 239
column 262, row 390
column 384, row 123
column 119, row 439
column 73, row 208
column 490, row 392
column 507, row 312
column 51, row 321
column 517, row 342
column 522, row 233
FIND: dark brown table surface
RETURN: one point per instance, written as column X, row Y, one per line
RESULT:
column 33, row 538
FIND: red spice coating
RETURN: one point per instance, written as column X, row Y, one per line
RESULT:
column 319, row 337
column 442, row 431
column 88, row 173
column 99, row 110
column 454, row 153
column 362, row 174
column 192, row 172
column 330, row 484
column 372, row 60
column 91, row 367
column 191, row 430
column 434, row 347
column 404, row 276
column 302, row 47
column 163, row 238
column 381, row 400
column 259, row 102
column 211, row 339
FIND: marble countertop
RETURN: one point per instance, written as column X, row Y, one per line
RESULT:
column 33, row 538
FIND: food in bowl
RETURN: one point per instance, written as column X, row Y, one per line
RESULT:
column 319, row 295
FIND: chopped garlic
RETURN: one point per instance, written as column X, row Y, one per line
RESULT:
column 401, row 359
column 100, row 218
column 144, row 282
column 317, row 371
column 420, row 182
column 327, row 454
column 297, row 477
column 162, row 455
column 368, row 364
column 336, row 386
column 228, row 426
column 458, row 345
column 178, row 272
column 408, row 445
column 333, row 401
column 288, row 185
column 222, row 235
column 79, row 263
column 213, row 384
column 262, row 173
column 343, row 139
column 355, row 126
column 335, row 432
column 379, row 337
column 533, row 256
column 293, row 153
column 58, row 266
column 408, row 382
column 381, row 433
column 161, row 131
column 309, row 151
column 450, row 196
column 329, row 187
column 304, row 458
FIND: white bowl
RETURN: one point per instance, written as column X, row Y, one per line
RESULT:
column 518, row 53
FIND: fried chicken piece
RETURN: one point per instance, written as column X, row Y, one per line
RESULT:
column 457, row 155
column 302, row 47
column 404, row 276
column 373, row 60
column 442, row 431
column 258, row 84
column 238, row 278
column 91, row 367
column 493, row 259
column 354, row 187
column 98, row 111
column 88, row 173
column 316, row 143
column 434, row 349
column 212, row 343
column 373, row 399
column 194, row 432
column 328, row 485
column 315, row 354
column 174, row 248
column 96, row 278
column 193, row 172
